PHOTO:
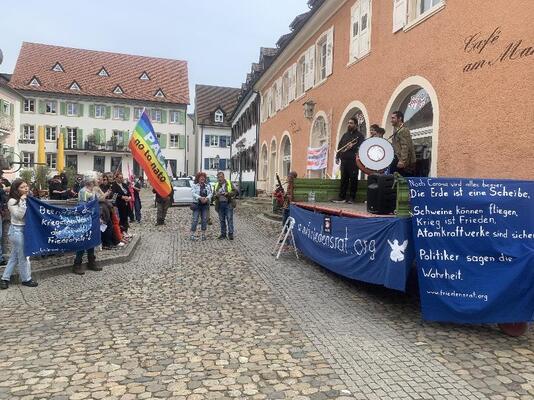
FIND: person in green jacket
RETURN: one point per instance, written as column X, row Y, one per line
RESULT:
column 404, row 161
column 225, row 194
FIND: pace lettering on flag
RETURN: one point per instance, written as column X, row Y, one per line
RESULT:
column 146, row 150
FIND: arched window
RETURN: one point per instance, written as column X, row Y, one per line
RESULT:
column 285, row 158
column 318, row 138
column 417, row 100
column 264, row 162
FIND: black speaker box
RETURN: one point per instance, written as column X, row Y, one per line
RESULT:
column 381, row 197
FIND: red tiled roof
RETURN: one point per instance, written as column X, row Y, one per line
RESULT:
column 83, row 66
column 209, row 98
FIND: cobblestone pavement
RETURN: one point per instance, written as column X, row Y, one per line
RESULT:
column 221, row 319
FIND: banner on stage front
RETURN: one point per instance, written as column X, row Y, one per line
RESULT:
column 374, row 250
column 474, row 241
column 50, row 229
column 146, row 150
column 317, row 157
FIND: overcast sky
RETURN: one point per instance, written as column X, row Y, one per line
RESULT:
column 218, row 38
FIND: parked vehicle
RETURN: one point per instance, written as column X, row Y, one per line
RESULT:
column 182, row 191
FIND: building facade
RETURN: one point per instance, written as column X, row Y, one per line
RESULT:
column 245, row 128
column 95, row 99
column 10, row 103
column 213, row 107
column 462, row 82
column 191, row 145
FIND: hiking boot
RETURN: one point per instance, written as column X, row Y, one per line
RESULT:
column 4, row 284
column 231, row 236
column 221, row 237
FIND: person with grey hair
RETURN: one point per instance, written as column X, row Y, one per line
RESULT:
column 86, row 194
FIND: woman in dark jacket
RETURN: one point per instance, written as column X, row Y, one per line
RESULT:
column 122, row 198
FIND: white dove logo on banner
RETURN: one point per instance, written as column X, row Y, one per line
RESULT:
column 397, row 250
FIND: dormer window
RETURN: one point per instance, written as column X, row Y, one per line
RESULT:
column 118, row 90
column 159, row 93
column 103, row 72
column 144, row 77
column 35, row 82
column 58, row 68
column 219, row 116
column 74, row 86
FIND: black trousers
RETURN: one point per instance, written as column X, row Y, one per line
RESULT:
column 349, row 178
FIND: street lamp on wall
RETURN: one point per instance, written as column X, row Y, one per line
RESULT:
column 309, row 109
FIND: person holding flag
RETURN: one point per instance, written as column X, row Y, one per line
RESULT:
column 146, row 150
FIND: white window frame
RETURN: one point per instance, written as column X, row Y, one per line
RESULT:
column 51, row 160
column 7, row 107
column 52, row 105
column 117, row 114
column 301, row 76
column 28, row 158
column 156, row 115
column 356, row 50
column 73, row 109
column 214, row 164
column 72, row 138
column 100, row 111
column 321, row 54
column 138, row 111
column 28, row 132
column 173, row 141
column 214, row 141
column 50, row 133
column 28, row 105
column 407, row 14
column 174, row 117
column 285, row 89
column 219, row 116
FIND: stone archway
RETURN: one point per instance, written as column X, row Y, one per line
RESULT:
column 417, row 99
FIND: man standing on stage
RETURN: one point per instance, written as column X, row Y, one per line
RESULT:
column 346, row 154
column 404, row 161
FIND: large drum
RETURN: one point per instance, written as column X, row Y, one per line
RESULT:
column 375, row 155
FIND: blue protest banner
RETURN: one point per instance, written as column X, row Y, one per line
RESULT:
column 51, row 229
column 474, row 241
column 374, row 250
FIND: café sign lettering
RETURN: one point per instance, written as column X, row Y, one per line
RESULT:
column 480, row 44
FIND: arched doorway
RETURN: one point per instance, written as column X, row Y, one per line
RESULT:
column 354, row 109
column 319, row 137
column 264, row 165
column 416, row 98
column 285, row 156
column 272, row 166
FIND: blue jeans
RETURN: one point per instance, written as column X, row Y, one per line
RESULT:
column 16, row 237
column 137, row 209
column 226, row 217
column 202, row 211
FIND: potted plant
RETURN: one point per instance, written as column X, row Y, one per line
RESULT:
column 41, row 179
column 26, row 175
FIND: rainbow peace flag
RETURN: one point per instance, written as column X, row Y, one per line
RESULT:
column 145, row 149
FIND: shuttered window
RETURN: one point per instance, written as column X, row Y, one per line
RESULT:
column 360, row 39
column 309, row 68
column 301, row 74
column 399, row 14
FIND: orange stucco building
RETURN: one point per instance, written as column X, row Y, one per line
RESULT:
column 461, row 71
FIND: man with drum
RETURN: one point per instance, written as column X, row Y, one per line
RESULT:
column 404, row 161
column 346, row 155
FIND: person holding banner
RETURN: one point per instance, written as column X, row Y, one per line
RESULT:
column 85, row 195
column 17, row 208
column 202, row 195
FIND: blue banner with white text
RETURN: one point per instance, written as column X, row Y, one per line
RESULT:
column 474, row 242
column 373, row 250
column 50, row 229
